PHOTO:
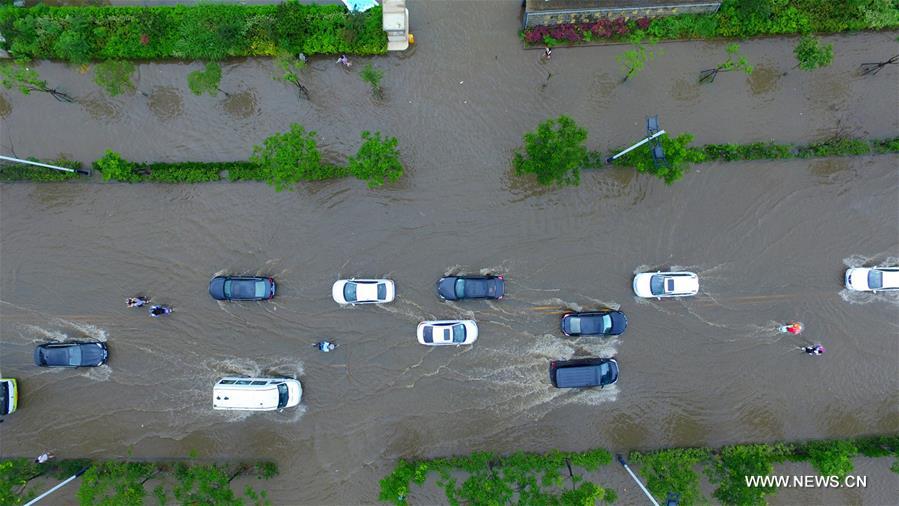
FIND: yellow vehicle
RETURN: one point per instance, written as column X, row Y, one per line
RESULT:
column 9, row 396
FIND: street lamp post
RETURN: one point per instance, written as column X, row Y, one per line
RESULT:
column 653, row 132
column 38, row 164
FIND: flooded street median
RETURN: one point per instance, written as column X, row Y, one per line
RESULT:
column 769, row 240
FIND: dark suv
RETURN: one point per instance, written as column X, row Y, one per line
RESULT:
column 583, row 373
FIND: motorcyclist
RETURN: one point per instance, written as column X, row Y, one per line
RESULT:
column 157, row 311
column 814, row 350
column 326, row 346
column 794, row 328
column 136, row 301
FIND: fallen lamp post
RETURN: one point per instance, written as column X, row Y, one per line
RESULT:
column 653, row 132
column 57, row 487
column 634, row 476
column 38, row 164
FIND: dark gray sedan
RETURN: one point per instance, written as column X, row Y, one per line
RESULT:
column 71, row 354
column 471, row 287
column 594, row 323
column 241, row 288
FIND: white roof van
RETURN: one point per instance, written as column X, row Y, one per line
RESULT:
column 256, row 394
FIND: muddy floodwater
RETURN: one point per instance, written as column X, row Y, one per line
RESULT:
column 769, row 240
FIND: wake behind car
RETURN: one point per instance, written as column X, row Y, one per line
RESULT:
column 241, row 288
column 594, row 323
column 447, row 332
column 363, row 291
column 471, row 287
column 71, row 354
column 583, row 373
column 665, row 284
column 872, row 279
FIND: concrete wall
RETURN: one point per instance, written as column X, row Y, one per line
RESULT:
column 556, row 17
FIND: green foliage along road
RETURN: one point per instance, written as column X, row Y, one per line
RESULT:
column 191, row 32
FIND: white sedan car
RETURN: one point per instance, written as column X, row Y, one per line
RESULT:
column 363, row 291
column 665, row 284
column 447, row 332
column 872, row 279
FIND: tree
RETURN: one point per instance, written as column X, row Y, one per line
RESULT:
column 373, row 77
column 206, row 81
column 26, row 79
column 114, row 76
column 115, row 168
column 115, row 483
column 634, row 60
column 811, row 54
column 740, row 63
column 377, row 160
column 14, row 477
column 290, row 67
column 554, row 152
column 290, row 157
column 677, row 155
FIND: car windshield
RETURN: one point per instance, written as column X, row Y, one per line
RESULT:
column 657, row 285
column 260, row 289
column 428, row 334
column 227, row 288
column 282, row 395
column 459, row 333
column 875, row 279
column 3, row 396
column 382, row 291
column 349, row 292
column 460, row 287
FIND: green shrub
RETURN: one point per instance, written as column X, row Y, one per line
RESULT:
column 373, row 77
column 185, row 172
column 377, row 160
column 290, row 157
column 202, row 32
column 811, row 54
column 830, row 458
column 733, row 463
column 839, row 146
column 554, row 152
column 677, row 156
column 206, row 80
column 114, row 76
column 10, row 171
column 673, row 471
column 115, row 168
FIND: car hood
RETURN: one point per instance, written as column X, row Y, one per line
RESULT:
column 641, row 284
column 337, row 291
column 619, row 322
column 93, row 354
column 217, row 288
column 857, row 278
column 446, row 288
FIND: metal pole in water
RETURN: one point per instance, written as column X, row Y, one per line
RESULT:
column 55, row 167
column 635, row 146
column 634, row 476
column 57, row 487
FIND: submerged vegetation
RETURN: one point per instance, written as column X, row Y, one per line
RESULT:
column 191, row 32
column 125, row 483
column 555, row 153
column 735, row 19
column 554, row 477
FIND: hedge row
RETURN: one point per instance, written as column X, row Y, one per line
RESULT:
column 735, row 19
column 674, row 470
column 770, row 151
column 203, row 32
column 10, row 171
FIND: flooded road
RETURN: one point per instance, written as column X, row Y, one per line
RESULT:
column 770, row 242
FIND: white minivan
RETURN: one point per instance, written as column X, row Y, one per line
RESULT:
column 256, row 394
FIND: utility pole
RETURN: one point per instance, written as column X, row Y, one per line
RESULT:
column 634, row 476
column 38, row 164
column 653, row 132
column 57, row 487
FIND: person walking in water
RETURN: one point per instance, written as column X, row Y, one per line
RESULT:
column 547, row 53
column 343, row 60
column 136, row 301
column 814, row 350
column 44, row 458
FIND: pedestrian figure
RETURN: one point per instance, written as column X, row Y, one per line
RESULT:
column 302, row 57
column 547, row 53
column 344, row 60
column 814, row 350
column 44, row 458
column 136, row 301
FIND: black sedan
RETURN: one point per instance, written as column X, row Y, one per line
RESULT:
column 241, row 288
column 594, row 323
column 471, row 287
column 71, row 354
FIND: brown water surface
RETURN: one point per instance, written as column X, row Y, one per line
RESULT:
column 769, row 240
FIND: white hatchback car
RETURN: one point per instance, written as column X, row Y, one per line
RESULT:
column 665, row 284
column 447, row 332
column 363, row 291
column 872, row 279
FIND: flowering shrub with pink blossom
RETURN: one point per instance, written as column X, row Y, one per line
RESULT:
column 576, row 33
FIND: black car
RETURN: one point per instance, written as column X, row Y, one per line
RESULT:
column 594, row 323
column 583, row 373
column 241, row 288
column 471, row 287
column 71, row 354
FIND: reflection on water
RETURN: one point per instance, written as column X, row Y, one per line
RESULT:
column 166, row 102
column 240, row 105
column 764, row 79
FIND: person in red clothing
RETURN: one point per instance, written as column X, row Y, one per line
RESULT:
column 794, row 328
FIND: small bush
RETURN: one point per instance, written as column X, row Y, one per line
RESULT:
column 377, row 160
column 831, row 458
column 115, row 168
column 206, row 80
column 554, row 152
column 114, row 76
